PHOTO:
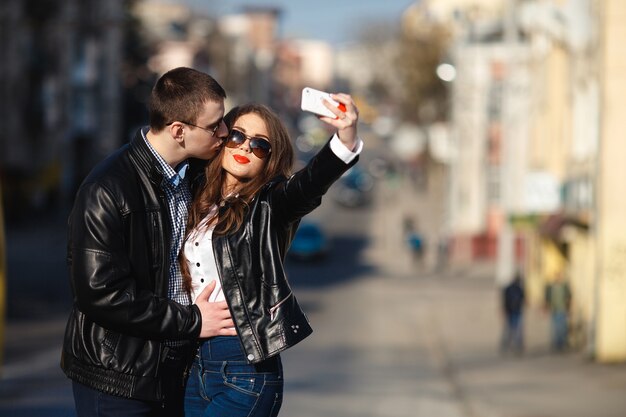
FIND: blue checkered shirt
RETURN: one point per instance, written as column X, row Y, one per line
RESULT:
column 178, row 195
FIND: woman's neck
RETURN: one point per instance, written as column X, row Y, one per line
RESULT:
column 232, row 185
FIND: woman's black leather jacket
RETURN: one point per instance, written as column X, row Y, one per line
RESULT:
column 250, row 261
column 118, row 255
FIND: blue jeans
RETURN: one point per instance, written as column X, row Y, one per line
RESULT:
column 559, row 330
column 93, row 403
column 513, row 336
column 223, row 384
column 90, row 402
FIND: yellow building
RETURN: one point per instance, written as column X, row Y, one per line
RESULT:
column 610, row 334
column 579, row 86
column 575, row 138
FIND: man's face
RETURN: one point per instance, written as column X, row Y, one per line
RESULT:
column 204, row 140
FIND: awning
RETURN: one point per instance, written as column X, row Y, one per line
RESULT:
column 552, row 226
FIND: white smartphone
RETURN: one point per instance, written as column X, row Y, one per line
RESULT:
column 312, row 102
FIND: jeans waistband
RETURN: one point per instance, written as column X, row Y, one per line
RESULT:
column 222, row 348
column 228, row 349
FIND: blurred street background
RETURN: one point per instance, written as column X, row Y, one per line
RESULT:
column 494, row 147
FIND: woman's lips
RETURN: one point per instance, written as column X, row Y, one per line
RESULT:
column 241, row 159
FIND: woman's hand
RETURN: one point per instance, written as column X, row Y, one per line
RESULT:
column 346, row 122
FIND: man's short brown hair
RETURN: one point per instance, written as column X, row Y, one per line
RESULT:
column 180, row 94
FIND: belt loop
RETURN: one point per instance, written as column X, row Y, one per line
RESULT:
column 223, row 370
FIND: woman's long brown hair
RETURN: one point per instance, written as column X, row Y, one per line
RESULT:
column 231, row 216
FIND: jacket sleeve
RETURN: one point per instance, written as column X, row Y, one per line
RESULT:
column 102, row 280
column 303, row 191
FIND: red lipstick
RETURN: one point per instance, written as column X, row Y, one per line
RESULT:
column 241, row 159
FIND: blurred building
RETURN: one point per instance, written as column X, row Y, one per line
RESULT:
column 316, row 63
column 244, row 51
column 576, row 138
column 364, row 65
column 490, row 118
column 488, row 127
column 563, row 145
column 608, row 337
column 535, row 177
column 166, row 26
column 238, row 50
column 179, row 37
column 60, row 96
column 482, row 12
column 256, row 41
column 271, row 69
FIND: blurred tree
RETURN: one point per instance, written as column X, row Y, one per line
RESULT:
column 378, row 40
column 421, row 49
column 403, row 61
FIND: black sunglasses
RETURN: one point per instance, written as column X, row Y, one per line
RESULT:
column 260, row 147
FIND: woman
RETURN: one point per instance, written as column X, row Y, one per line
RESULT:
column 240, row 226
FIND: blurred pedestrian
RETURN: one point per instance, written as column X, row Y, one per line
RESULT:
column 513, row 298
column 415, row 240
column 240, row 227
column 442, row 252
column 128, row 338
column 558, row 299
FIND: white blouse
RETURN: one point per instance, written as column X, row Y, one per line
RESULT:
column 201, row 260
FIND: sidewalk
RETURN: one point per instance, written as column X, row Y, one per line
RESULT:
column 538, row 384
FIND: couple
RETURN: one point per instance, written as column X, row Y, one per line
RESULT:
column 181, row 304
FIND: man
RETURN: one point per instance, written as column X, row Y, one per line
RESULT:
column 558, row 298
column 512, row 304
column 129, row 336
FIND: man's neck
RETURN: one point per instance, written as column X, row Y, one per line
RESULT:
column 159, row 143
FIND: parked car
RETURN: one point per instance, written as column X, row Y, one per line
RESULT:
column 309, row 243
column 354, row 188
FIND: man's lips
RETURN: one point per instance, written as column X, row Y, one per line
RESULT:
column 241, row 159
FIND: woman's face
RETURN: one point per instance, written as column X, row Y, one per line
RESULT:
column 240, row 162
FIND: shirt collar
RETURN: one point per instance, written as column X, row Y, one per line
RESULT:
column 181, row 171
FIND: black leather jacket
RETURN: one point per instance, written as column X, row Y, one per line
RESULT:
column 250, row 261
column 118, row 255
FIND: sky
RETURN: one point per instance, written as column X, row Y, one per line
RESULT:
column 335, row 21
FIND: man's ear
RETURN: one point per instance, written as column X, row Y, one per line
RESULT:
column 177, row 131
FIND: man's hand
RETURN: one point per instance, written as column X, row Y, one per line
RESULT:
column 216, row 319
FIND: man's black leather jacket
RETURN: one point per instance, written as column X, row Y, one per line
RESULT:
column 118, row 255
column 250, row 261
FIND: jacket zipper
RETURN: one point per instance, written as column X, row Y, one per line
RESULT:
column 275, row 307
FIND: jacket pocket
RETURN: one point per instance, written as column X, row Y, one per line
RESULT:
column 273, row 310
